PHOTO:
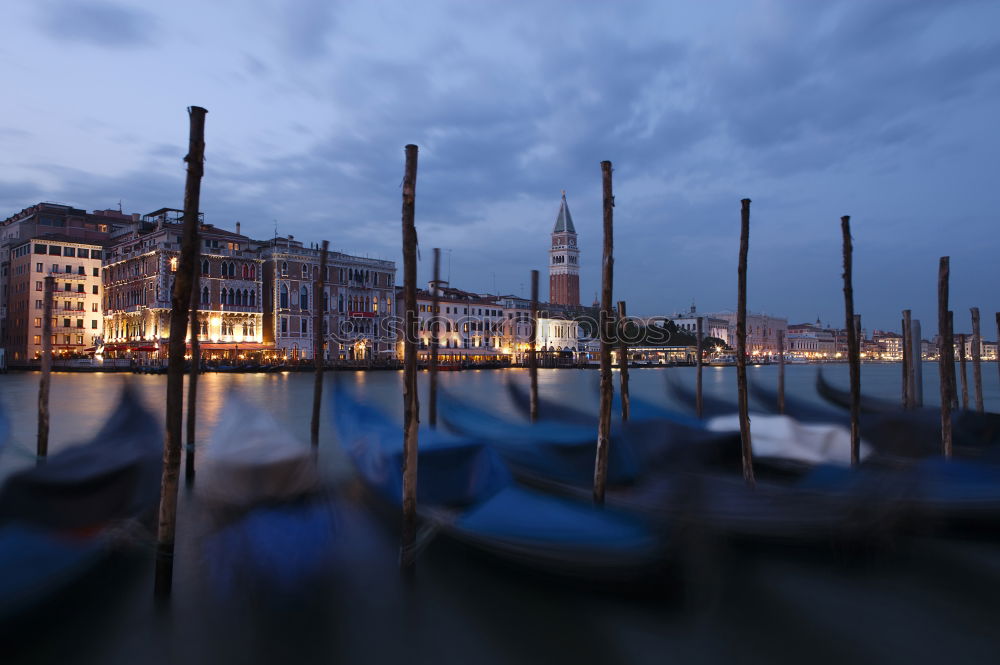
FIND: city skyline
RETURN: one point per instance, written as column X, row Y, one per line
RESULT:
column 878, row 110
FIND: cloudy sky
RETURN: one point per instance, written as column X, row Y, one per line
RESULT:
column 880, row 109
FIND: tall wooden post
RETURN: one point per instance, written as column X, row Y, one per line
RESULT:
column 192, row 402
column 907, row 388
column 623, row 359
column 781, row 371
column 946, row 356
column 411, row 405
column 319, row 343
column 853, row 343
column 977, row 357
column 917, row 351
column 432, row 365
column 606, row 317
column 533, row 348
column 698, row 405
column 44, row 381
column 964, row 370
column 741, row 345
column 180, row 300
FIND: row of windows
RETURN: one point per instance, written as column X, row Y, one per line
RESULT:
column 67, row 323
column 58, row 250
column 68, row 340
column 226, row 269
column 244, row 297
column 465, row 310
column 343, row 274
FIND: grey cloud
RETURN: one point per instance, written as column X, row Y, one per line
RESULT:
column 98, row 23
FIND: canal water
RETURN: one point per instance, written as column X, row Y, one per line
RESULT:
column 924, row 600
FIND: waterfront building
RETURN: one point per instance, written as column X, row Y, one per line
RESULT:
column 43, row 219
column 810, row 341
column 564, row 260
column 889, row 344
column 138, row 277
column 356, row 303
column 77, row 325
column 762, row 331
column 711, row 326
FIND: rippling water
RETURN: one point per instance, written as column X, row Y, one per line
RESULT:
column 915, row 605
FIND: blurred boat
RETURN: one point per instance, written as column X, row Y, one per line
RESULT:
column 273, row 521
column 63, row 516
column 466, row 492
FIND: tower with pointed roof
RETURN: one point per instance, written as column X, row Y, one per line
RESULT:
column 564, row 260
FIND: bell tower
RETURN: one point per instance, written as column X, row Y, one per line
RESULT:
column 564, row 260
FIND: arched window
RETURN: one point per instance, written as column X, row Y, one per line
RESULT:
column 253, row 272
column 284, row 268
column 231, row 298
column 204, row 295
column 303, row 298
column 253, row 298
column 283, row 297
column 246, row 271
column 232, row 270
column 204, row 267
column 222, row 269
column 305, row 271
column 239, row 297
column 340, row 303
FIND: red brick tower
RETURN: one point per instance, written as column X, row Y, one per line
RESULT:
column 564, row 260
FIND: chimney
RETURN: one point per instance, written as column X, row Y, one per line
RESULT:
column 237, row 228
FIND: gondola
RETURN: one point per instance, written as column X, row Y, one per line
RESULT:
column 466, row 492
column 916, row 432
column 272, row 521
column 60, row 518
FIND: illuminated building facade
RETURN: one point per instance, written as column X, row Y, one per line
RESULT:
column 564, row 260
column 356, row 302
column 77, row 323
column 138, row 277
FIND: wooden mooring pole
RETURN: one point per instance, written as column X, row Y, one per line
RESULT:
column 977, row 358
column 180, row 301
column 698, row 405
column 781, row 371
column 907, row 380
column 741, row 345
column 853, row 343
column 42, row 445
column 917, row 352
column 194, row 328
column 623, row 359
column 604, row 326
column 319, row 343
column 533, row 348
column 411, row 405
column 946, row 356
column 964, row 371
column 432, row 365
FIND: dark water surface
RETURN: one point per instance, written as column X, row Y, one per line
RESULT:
column 919, row 600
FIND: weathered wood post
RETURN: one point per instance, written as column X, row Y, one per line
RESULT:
column 917, row 351
column 977, row 358
column 741, row 345
column 946, row 356
column 604, row 326
column 43, row 382
column 319, row 343
column 907, row 386
column 781, row 371
column 964, row 370
column 953, row 373
column 698, row 405
column 192, row 401
column 853, row 343
column 411, row 405
column 623, row 359
column 533, row 348
column 432, row 364
column 180, row 300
